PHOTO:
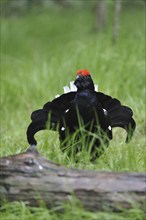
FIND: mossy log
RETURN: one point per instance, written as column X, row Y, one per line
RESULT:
column 29, row 177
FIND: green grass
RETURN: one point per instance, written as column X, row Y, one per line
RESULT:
column 72, row 211
column 40, row 53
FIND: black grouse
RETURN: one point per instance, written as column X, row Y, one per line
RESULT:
column 95, row 112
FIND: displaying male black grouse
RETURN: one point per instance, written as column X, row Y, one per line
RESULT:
column 84, row 107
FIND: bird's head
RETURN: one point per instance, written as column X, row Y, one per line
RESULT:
column 84, row 80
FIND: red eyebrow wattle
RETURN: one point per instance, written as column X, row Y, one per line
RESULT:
column 83, row 72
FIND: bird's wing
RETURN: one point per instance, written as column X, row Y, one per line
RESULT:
column 120, row 116
column 61, row 103
column 49, row 116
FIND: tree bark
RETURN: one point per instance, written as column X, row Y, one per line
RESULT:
column 101, row 14
column 63, row 3
column 29, row 177
column 116, row 20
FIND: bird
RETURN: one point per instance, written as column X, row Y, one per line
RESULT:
column 82, row 108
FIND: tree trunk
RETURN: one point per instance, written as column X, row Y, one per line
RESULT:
column 63, row 3
column 116, row 20
column 101, row 14
column 29, row 177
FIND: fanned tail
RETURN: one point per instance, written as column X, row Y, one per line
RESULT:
column 33, row 128
column 39, row 120
column 49, row 117
column 120, row 116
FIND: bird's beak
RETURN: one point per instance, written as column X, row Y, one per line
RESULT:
column 79, row 76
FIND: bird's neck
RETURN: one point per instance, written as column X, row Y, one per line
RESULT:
column 85, row 98
column 88, row 90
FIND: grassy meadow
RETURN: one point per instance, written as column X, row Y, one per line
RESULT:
column 40, row 53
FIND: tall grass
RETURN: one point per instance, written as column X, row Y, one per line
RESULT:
column 72, row 211
column 40, row 53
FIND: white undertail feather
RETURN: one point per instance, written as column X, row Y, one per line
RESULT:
column 96, row 87
column 56, row 96
column 66, row 89
column 73, row 87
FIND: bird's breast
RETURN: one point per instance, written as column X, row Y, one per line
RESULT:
column 85, row 101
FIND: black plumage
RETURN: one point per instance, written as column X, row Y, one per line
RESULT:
column 96, row 112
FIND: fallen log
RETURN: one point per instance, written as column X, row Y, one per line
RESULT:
column 29, row 177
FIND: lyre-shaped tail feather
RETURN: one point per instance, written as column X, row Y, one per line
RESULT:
column 33, row 128
column 52, row 112
column 123, row 118
column 39, row 120
column 120, row 116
